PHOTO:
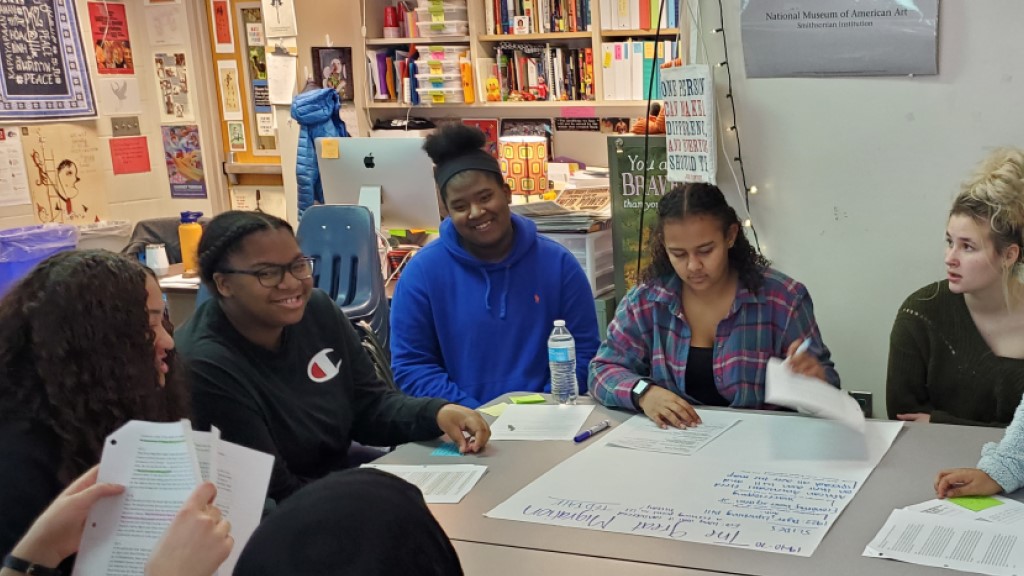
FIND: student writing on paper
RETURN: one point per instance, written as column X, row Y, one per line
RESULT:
column 1001, row 468
column 956, row 353
column 472, row 312
column 277, row 367
column 378, row 525
column 195, row 544
column 705, row 318
column 83, row 349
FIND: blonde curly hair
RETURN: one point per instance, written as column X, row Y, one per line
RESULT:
column 995, row 195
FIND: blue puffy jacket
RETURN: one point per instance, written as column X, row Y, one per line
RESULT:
column 317, row 112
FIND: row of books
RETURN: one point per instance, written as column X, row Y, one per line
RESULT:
column 536, row 16
column 523, row 72
column 627, row 68
column 638, row 14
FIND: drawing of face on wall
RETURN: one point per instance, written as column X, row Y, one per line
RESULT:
column 67, row 184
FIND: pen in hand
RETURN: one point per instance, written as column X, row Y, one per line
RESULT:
column 591, row 431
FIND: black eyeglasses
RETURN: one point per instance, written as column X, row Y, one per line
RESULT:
column 271, row 275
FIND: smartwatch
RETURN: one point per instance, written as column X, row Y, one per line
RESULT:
column 639, row 389
column 30, row 568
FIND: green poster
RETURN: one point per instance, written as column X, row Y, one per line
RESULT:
column 636, row 181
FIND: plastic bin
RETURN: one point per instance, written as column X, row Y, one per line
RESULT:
column 440, row 81
column 22, row 248
column 112, row 235
column 595, row 254
column 440, row 95
column 441, row 14
column 447, row 28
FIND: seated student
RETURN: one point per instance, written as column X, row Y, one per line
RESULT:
column 956, row 353
column 472, row 313
column 378, row 524
column 1001, row 468
column 195, row 544
column 82, row 351
column 704, row 320
column 277, row 367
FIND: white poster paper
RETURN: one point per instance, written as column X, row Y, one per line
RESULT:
column 795, row 477
column 839, row 37
column 166, row 25
column 279, row 18
column 230, row 93
column 281, row 69
column 14, row 190
column 689, row 93
column 265, row 124
column 118, row 96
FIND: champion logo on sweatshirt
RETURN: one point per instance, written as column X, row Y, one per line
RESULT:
column 321, row 369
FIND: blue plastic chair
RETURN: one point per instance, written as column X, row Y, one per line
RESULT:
column 343, row 241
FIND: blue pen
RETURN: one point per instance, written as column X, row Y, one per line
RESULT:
column 591, row 431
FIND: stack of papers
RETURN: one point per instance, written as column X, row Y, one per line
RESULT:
column 978, row 534
column 575, row 209
column 179, row 281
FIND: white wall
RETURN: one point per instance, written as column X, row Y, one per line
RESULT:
column 856, row 175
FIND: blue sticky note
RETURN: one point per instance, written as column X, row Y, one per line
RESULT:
column 446, row 449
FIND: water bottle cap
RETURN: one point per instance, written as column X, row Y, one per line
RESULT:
column 188, row 217
column 560, row 323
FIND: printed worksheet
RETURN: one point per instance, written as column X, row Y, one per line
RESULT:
column 440, row 484
column 540, row 422
column 641, row 433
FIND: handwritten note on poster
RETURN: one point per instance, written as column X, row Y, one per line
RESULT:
column 689, row 94
column 743, row 491
column 43, row 70
column 130, row 155
column 67, row 185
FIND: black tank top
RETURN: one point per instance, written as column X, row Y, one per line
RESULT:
column 700, row 378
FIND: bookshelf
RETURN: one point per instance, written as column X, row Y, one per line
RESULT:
column 483, row 45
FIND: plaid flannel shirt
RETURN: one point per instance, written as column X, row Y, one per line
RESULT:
column 650, row 338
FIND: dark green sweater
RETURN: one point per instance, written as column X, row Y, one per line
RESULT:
column 940, row 364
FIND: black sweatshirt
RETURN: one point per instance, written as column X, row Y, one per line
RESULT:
column 29, row 466
column 303, row 403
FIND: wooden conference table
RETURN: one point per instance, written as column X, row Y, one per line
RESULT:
column 500, row 547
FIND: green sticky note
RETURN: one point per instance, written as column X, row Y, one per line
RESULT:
column 496, row 410
column 976, row 503
column 528, row 399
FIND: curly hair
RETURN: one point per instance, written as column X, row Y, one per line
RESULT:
column 223, row 236
column 76, row 353
column 699, row 199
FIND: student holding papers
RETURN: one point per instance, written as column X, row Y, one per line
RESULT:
column 705, row 318
column 956, row 353
column 83, row 349
column 472, row 312
column 277, row 367
column 195, row 544
column 1001, row 468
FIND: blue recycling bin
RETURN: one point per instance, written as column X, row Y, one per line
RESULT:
column 22, row 248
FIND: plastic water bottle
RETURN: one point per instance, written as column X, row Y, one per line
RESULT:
column 562, row 363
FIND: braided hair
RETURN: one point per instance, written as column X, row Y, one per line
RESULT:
column 223, row 237
column 699, row 199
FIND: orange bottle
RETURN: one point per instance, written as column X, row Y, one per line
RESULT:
column 189, row 233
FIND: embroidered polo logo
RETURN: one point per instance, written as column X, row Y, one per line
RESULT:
column 321, row 369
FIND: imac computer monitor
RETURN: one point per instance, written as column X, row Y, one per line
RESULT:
column 399, row 166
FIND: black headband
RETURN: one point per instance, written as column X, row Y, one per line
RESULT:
column 472, row 160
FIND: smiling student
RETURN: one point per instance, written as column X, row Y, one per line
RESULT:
column 956, row 353
column 277, row 367
column 704, row 320
column 472, row 312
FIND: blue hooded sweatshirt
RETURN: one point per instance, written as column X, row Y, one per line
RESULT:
column 469, row 331
column 317, row 112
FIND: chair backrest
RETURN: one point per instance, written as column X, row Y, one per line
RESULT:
column 158, row 231
column 343, row 241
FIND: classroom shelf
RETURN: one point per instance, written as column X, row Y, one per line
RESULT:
column 666, row 33
column 521, row 104
column 420, row 40
column 552, row 37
